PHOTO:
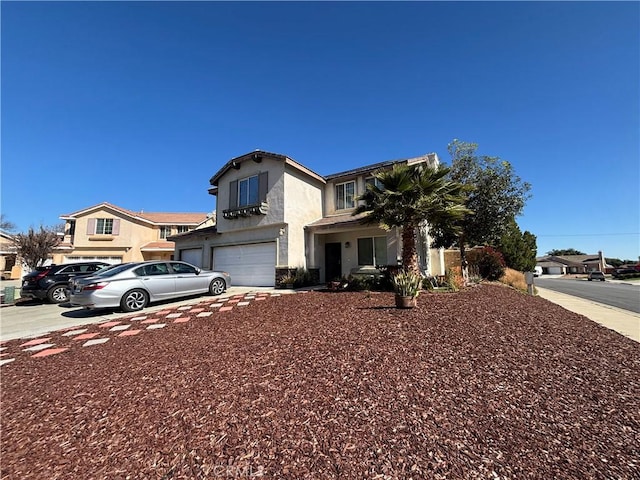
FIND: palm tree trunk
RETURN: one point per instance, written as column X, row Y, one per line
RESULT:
column 409, row 252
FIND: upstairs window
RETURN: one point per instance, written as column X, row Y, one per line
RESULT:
column 248, row 191
column 183, row 228
column 165, row 231
column 374, row 181
column 345, row 195
column 104, row 226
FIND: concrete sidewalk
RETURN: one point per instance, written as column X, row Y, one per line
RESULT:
column 622, row 321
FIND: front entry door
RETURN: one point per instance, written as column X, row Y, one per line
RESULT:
column 333, row 261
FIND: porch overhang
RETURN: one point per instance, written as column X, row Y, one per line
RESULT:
column 158, row 247
column 339, row 222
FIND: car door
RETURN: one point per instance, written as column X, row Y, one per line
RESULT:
column 158, row 279
column 188, row 280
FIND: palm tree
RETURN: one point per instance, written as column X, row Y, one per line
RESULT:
column 408, row 195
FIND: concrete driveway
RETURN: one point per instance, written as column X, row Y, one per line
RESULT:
column 27, row 319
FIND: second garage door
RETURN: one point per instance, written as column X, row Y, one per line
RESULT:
column 249, row 265
column 192, row 256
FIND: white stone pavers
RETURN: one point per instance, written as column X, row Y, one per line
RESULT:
column 156, row 326
column 96, row 341
column 119, row 328
column 73, row 333
column 41, row 346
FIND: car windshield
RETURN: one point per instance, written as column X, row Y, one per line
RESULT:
column 113, row 270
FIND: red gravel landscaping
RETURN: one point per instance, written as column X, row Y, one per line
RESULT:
column 485, row 383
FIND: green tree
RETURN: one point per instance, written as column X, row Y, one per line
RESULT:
column 34, row 247
column 409, row 195
column 518, row 249
column 497, row 195
column 566, row 251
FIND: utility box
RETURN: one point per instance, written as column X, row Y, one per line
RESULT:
column 9, row 295
column 528, row 277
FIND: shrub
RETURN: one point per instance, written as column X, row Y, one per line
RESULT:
column 454, row 281
column 303, row 278
column 514, row 279
column 407, row 284
column 490, row 264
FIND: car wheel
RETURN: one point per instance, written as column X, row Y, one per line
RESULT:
column 58, row 294
column 217, row 286
column 589, row 279
column 134, row 300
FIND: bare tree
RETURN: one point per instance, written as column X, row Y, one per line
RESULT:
column 5, row 224
column 34, row 247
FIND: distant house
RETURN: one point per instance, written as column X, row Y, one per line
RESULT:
column 566, row 264
column 113, row 234
column 275, row 214
column 8, row 256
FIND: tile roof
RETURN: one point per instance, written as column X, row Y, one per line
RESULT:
column 257, row 156
column 190, row 218
column 432, row 158
column 158, row 246
column 337, row 221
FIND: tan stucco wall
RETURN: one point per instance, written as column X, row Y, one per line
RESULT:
column 275, row 196
column 303, row 205
column 133, row 235
column 330, row 194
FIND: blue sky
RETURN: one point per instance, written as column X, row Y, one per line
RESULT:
column 140, row 103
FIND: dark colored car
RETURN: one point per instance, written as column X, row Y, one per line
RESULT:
column 625, row 270
column 52, row 282
column 596, row 275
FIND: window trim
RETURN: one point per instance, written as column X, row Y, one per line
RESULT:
column 107, row 224
column 372, row 180
column 166, row 229
column 344, row 191
column 373, row 238
column 92, row 226
column 252, row 188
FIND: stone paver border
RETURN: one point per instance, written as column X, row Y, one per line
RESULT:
column 101, row 333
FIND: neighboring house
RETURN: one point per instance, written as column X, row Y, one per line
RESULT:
column 565, row 264
column 112, row 234
column 9, row 268
column 275, row 214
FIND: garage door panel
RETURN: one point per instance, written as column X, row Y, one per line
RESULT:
column 192, row 256
column 249, row 265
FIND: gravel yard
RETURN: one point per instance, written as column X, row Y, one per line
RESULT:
column 487, row 383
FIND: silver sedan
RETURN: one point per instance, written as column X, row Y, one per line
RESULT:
column 132, row 286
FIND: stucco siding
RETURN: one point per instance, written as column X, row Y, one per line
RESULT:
column 275, row 195
column 303, row 200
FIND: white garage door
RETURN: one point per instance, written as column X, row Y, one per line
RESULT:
column 192, row 256
column 105, row 259
column 249, row 265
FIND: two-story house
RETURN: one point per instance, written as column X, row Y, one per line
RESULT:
column 113, row 234
column 274, row 213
